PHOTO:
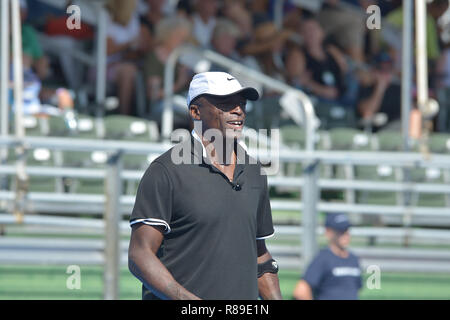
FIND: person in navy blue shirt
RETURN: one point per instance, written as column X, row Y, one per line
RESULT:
column 335, row 273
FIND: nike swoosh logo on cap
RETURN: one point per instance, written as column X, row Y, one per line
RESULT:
column 229, row 79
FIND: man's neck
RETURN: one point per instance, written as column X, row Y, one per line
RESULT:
column 221, row 153
column 338, row 251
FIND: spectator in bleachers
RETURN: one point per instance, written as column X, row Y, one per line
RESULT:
column 395, row 18
column 170, row 33
column 36, row 66
column 345, row 27
column 293, row 17
column 267, row 47
column 259, row 9
column 325, row 64
column 236, row 11
column 204, row 20
column 443, row 69
column 436, row 9
column 184, row 8
column 33, row 55
column 57, row 40
column 224, row 41
column 36, row 69
column 378, row 93
column 295, row 66
column 123, row 38
column 150, row 19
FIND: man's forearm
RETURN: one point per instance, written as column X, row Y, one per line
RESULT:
column 268, row 284
column 269, row 287
column 156, row 277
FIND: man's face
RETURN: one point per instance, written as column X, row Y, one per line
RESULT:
column 207, row 7
column 224, row 44
column 340, row 239
column 312, row 32
column 225, row 114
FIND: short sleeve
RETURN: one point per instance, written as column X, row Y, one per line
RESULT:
column 153, row 205
column 314, row 273
column 264, row 219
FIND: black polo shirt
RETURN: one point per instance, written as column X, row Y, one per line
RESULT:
column 210, row 225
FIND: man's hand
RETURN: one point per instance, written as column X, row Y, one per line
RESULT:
column 384, row 78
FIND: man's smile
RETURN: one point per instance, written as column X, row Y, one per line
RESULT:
column 237, row 124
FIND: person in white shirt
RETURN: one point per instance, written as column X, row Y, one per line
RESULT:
column 204, row 21
column 123, row 38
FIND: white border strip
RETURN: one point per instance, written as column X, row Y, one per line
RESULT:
column 265, row 237
column 153, row 222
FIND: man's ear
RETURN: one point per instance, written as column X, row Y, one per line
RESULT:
column 194, row 111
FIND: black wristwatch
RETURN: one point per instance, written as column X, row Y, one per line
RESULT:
column 270, row 266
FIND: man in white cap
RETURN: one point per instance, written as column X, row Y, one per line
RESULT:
column 199, row 226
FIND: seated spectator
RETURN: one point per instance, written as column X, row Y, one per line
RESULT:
column 395, row 18
column 150, row 19
column 293, row 17
column 184, row 8
column 235, row 11
column 33, row 55
column 57, row 40
column 204, row 20
column 296, row 73
column 36, row 67
column 267, row 47
column 345, row 27
column 170, row 33
column 378, row 93
column 443, row 69
column 224, row 40
column 259, row 10
column 325, row 64
column 123, row 38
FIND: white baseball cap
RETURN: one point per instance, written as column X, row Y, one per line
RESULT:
column 218, row 84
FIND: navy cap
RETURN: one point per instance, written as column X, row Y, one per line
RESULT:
column 337, row 221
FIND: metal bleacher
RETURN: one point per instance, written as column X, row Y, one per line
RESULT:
column 364, row 188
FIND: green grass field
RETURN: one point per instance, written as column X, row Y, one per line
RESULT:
column 49, row 282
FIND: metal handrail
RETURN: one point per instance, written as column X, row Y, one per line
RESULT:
column 310, row 205
column 280, row 181
column 94, row 204
column 395, row 159
column 80, row 225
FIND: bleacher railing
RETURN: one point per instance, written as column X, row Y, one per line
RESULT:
column 113, row 206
